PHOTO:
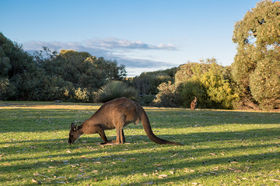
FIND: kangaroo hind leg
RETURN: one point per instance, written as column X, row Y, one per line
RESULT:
column 120, row 139
column 119, row 125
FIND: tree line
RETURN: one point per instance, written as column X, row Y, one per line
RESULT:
column 48, row 75
column 252, row 81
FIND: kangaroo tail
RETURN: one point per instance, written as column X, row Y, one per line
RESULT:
column 147, row 127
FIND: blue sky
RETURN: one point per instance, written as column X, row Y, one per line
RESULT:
column 144, row 35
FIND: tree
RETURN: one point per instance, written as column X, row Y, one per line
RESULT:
column 265, row 82
column 110, row 69
column 258, row 41
column 147, row 82
column 82, row 73
column 208, row 81
column 47, row 75
column 217, row 86
column 17, row 67
column 191, row 71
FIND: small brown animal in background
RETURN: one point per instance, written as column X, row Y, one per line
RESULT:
column 115, row 114
column 194, row 103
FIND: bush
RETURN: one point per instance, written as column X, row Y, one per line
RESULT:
column 217, row 87
column 81, row 95
column 190, row 89
column 146, row 99
column 208, row 81
column 115, row 89
column 7, row 90
column 166, row 96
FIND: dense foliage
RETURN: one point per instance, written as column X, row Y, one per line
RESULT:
column 69, row 75
column 166, row 96
column 148, row 82
column 207, row 81
column 256, row 66
column 16, row 69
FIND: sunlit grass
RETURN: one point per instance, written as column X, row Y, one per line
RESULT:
column 220, row 148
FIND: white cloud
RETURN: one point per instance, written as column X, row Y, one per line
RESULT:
column 106, row 44
column 125, row 44
column 112, row 49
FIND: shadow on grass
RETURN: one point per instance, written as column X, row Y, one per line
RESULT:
column 186, row 139
column 152, row 160
column 52, row 120
column 51, row 153
column 152, row 163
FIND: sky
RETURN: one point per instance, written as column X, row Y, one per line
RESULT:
column 144, row 35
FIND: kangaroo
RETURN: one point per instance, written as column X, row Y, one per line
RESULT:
column 194, row 103
column 115, row 114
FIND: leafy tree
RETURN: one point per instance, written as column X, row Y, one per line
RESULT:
column 17, row 67
column 257, row 37
column 47, row 75
column 207, row 81
column 265, row 81
column 192, row 71
column 83, row 70
column 110, row 69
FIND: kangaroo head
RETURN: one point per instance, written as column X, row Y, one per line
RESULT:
column 74, row 133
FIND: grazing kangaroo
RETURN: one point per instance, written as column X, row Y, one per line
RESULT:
column 194, row 103
column 115, row 114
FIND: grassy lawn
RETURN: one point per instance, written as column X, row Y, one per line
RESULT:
column 220, row 148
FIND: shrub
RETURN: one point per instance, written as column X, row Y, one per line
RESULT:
column 166, row 96
column 7, row 90
column 217, row 87
column 146, row 99
column 188, row 90
column 148, row 82
column 115, row 89
column 208, row 81
column 81, row 95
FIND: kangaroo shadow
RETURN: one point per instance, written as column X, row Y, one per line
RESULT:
column 148, row 162
column 134, row 142
column 54, row 120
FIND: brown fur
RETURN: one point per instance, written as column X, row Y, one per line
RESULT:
column 194, row 103
column 115, row 114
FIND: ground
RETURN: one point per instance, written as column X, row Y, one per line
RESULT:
column 221, row 147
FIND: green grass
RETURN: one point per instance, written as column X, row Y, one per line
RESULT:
column 220, row 148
